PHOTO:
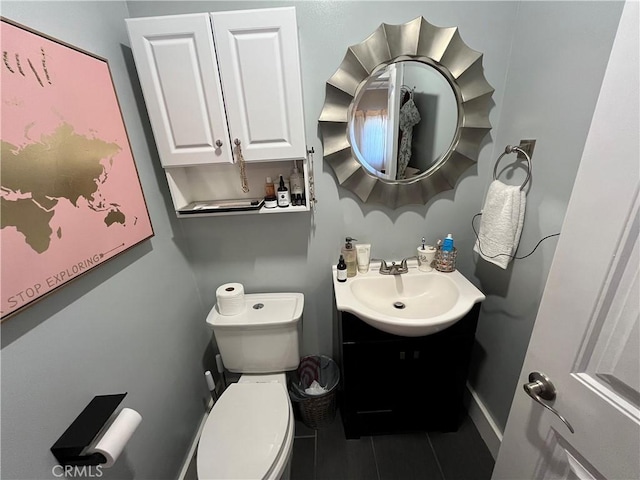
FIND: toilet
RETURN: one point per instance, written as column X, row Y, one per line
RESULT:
column 249, row 432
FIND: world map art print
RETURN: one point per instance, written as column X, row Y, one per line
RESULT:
column 70, row 195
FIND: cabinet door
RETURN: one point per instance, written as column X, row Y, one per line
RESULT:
column 178, row 72
column 260, row 69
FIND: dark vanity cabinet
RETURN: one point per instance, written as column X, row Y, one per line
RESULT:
column 396, row 384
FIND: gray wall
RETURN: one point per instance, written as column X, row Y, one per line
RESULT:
column 546, row 61
column 134, row 324
column 296, row 251
column 559, row 54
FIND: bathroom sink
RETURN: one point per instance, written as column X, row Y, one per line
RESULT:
column 412, row 304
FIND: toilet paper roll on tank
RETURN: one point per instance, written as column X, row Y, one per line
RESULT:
column 230, row 299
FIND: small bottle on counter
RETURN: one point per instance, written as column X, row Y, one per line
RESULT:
column 284, row 198
column 342, row 270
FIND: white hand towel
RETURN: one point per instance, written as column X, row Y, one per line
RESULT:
column 501, row 223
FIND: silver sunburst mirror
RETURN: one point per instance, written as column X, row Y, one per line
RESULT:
column 367, row 121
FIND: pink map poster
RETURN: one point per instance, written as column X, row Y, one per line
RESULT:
column 69, row 189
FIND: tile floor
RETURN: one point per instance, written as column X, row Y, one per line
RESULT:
column 326, row 454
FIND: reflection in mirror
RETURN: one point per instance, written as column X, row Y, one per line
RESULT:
column 403, row 121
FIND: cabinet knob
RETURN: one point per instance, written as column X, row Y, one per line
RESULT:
column 218, row 143
column 236, row 142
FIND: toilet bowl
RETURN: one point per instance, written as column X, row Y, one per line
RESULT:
column 249, row 431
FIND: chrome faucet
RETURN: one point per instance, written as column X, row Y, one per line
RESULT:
column 394, row 268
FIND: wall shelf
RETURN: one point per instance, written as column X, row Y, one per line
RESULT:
column 263, row 210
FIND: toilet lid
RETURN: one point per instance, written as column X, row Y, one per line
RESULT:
column 245, row 432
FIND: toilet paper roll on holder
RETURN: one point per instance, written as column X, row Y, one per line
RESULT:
column 69, row 448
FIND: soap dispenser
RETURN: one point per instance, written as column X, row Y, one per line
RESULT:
column 349, row 254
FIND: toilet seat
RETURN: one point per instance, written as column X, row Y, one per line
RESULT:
column 246, row 432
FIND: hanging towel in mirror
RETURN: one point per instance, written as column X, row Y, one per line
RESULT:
column 409, row 118
column 501, row 223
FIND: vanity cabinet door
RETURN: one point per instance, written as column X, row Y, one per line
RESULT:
column 371, row 394
column 178, row 71
column 260, row 70
column 398, row 384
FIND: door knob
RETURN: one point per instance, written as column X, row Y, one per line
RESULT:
column 540, row 388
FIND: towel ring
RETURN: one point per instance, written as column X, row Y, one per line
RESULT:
column 509, row 149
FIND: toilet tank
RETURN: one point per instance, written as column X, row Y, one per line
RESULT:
column 264, row 338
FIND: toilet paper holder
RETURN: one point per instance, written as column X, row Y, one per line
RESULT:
column 69, row 447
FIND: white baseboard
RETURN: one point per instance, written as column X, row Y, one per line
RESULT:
column 484, row 422
column 191, row 453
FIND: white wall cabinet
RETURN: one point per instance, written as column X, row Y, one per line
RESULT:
column 178, row 71
column 211, row 79
column 260, row 70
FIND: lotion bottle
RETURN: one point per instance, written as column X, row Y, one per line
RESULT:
column 349, row 254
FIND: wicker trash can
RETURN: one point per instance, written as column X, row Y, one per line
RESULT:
column 316, row 410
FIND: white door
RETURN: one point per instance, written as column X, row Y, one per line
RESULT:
column 178, row 72
column 260, row 69
column 396, row 76
column 586, row 338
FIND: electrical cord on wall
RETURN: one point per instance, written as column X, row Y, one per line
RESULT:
column 506, row 254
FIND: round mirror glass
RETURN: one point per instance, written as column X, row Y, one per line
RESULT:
column 403, row 121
